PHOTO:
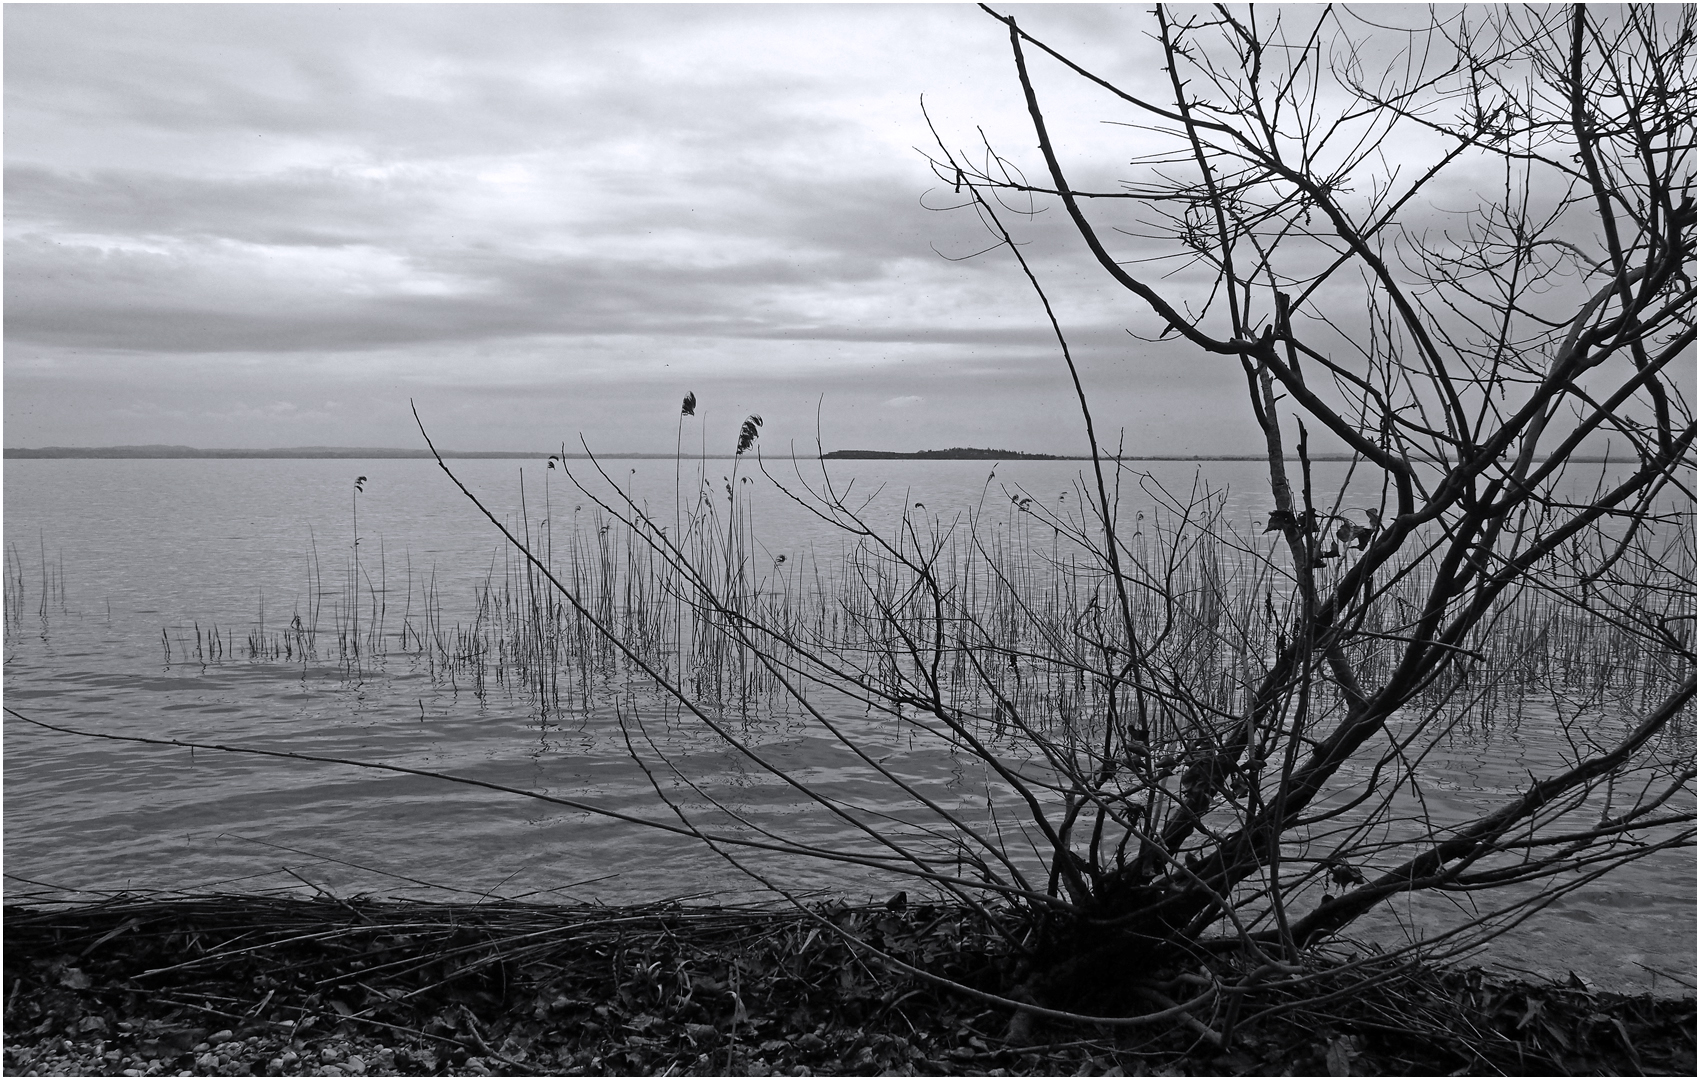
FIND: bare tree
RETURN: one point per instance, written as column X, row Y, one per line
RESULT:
column 1486, row 348
column 1201, row 744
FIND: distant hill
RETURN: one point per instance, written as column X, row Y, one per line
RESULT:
column 955, row 453
column 972, row 453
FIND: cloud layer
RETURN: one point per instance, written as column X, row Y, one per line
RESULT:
column 276, row 225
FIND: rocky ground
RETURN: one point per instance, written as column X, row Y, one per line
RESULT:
column 228, row 986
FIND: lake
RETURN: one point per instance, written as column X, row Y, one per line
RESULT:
column 119, row 571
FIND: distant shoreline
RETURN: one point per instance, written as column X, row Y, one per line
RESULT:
column 955, row 453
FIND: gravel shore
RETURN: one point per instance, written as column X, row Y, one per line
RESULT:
column 239, row 986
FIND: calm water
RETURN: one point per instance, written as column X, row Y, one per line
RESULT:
column 132, row 549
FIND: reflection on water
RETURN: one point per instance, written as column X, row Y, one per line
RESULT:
column 181, row 545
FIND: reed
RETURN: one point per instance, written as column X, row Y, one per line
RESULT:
column 14, row 590
column 49, row 597
column 1024, row 600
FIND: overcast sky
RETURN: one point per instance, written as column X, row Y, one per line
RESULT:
column 257, row 226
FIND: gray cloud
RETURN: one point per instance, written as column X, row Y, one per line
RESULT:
column 241, row 223
column 152, row 262
column 297, row 207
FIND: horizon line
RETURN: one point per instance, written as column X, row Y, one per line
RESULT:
column 169, row 451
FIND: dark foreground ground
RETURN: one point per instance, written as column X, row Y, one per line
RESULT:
column 231, row 986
